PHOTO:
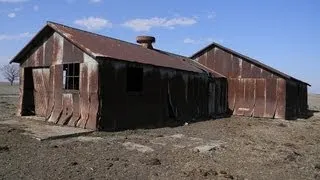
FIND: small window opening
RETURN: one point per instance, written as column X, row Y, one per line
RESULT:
column 134, row 79
column 71, row 76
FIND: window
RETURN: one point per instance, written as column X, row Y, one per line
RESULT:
column 134, row 79
column 71, row 76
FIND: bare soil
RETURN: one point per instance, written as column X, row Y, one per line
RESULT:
column 228, row 148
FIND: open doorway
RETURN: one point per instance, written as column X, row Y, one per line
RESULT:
column 36, row 86
column 28, row 108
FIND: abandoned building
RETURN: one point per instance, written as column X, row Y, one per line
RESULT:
column 255, row 89
column 78, row 78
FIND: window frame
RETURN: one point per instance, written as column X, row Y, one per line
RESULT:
column 74, row 76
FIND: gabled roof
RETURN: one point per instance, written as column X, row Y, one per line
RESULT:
column 102, row 47
column 248, row 59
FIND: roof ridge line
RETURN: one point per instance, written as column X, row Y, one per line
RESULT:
column 85, row 31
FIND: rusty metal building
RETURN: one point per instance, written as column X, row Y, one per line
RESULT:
column 255, row 89
column 77, row 78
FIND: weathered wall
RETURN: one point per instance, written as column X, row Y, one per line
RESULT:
column 297, row 100
column 253, row 91
column 167, row 94
column 72, row 107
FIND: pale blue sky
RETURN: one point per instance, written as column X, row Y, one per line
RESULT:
column 283, row 34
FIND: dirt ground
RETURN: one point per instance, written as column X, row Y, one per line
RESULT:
column 229, row 148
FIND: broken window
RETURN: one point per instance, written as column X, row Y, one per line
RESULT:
column 71, row 76
column 134, row 79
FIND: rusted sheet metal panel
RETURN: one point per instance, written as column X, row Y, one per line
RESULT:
column 40, row 76
column 40, row 56
column 235, row 73
column 210, row 59
column 84, row 96
column 271, row 97
column 76, row 110
column 255, row 71
column 57, row 84
column 265, row 74
column 203, row 59
column 93, row 86
column 246, row 70
column 271, row 70
column 244, row 96
column 239, row 110
column 222, row 61
column 260, row 98
column 249, row 96
column 48, row 56
column 281, row 99
column 232, row 93
column 67, row 108
column 21, row 92
column 51, row 88
column 71, row 53
column 57, row 49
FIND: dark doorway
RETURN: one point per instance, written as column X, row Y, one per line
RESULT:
column 28, row 107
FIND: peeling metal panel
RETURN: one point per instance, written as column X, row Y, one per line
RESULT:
column 239, row 109
column 57, row 84
column 93, row 84
column 76, row 110
column 51, row 88
column 49, row 51
column 71, row 53
column 67, row 108
column 249, row 97
column 260, row 95
column 255, row 90
column 57, row 49
column 232, row 93
column 40, row 90
column 281, row 100
column 84, row 96
column 271, row 97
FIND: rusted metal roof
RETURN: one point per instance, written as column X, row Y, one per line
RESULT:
column 248, row 59
column 99, row 46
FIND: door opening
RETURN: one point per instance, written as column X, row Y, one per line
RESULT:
column 28, row 108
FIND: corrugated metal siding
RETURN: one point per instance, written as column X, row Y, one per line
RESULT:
column 73, row 108
column 252, row 91
column 167, row 94
column 231, row 66
column 188, row 91
column 297, row 100
column 257, row 97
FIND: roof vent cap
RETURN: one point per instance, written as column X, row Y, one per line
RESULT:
column 146, row 41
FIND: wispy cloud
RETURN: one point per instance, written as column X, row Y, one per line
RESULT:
column 93, row 23
column 147, row 24
column 12, row 1
column 36, row 8
column 95, row 1
column 12, row 15
column 90, row 1
column 17, row 9
column 211, row 15
column 4, row 37
column 201, row 40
